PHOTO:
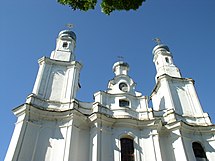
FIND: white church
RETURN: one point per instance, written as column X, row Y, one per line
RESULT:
column 52, row 125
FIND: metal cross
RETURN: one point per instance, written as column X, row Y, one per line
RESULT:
column 120, row 58
column 69, row 25
column 157, row 40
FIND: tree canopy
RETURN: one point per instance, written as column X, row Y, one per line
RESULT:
column 107, row 6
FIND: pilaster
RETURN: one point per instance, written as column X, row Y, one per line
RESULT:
column 178, row 146
column 156, row 144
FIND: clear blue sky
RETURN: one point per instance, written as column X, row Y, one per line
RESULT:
column 28, row 31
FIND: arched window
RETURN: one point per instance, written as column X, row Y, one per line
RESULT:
column 127, row 149
column 65, row 44
column 199, row 152
column 167, row 59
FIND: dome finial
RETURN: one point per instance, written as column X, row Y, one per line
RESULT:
column 120, row 67
column 159, row 46
column 157, row 40
column 120, row 58
column 70, row 26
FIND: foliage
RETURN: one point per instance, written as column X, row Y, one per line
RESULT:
column 107, row 5
column 83, row 5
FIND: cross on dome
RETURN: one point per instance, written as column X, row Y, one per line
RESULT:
column 157, row 40
column 70, row 26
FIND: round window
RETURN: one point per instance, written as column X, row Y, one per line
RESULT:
column 123, row 87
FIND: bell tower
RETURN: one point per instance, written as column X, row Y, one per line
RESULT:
column 65, row 46
column 174, row 95
column 47, row 122
column 57, row 81
column 163, row 60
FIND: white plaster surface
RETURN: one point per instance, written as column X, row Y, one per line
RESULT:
column 53, row 126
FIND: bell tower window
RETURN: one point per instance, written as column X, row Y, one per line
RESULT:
column 199, row 152
column 65, row 44
column 167, row 59
column 127, row 149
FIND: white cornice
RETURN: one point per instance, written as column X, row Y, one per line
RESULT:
column 59, row 62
